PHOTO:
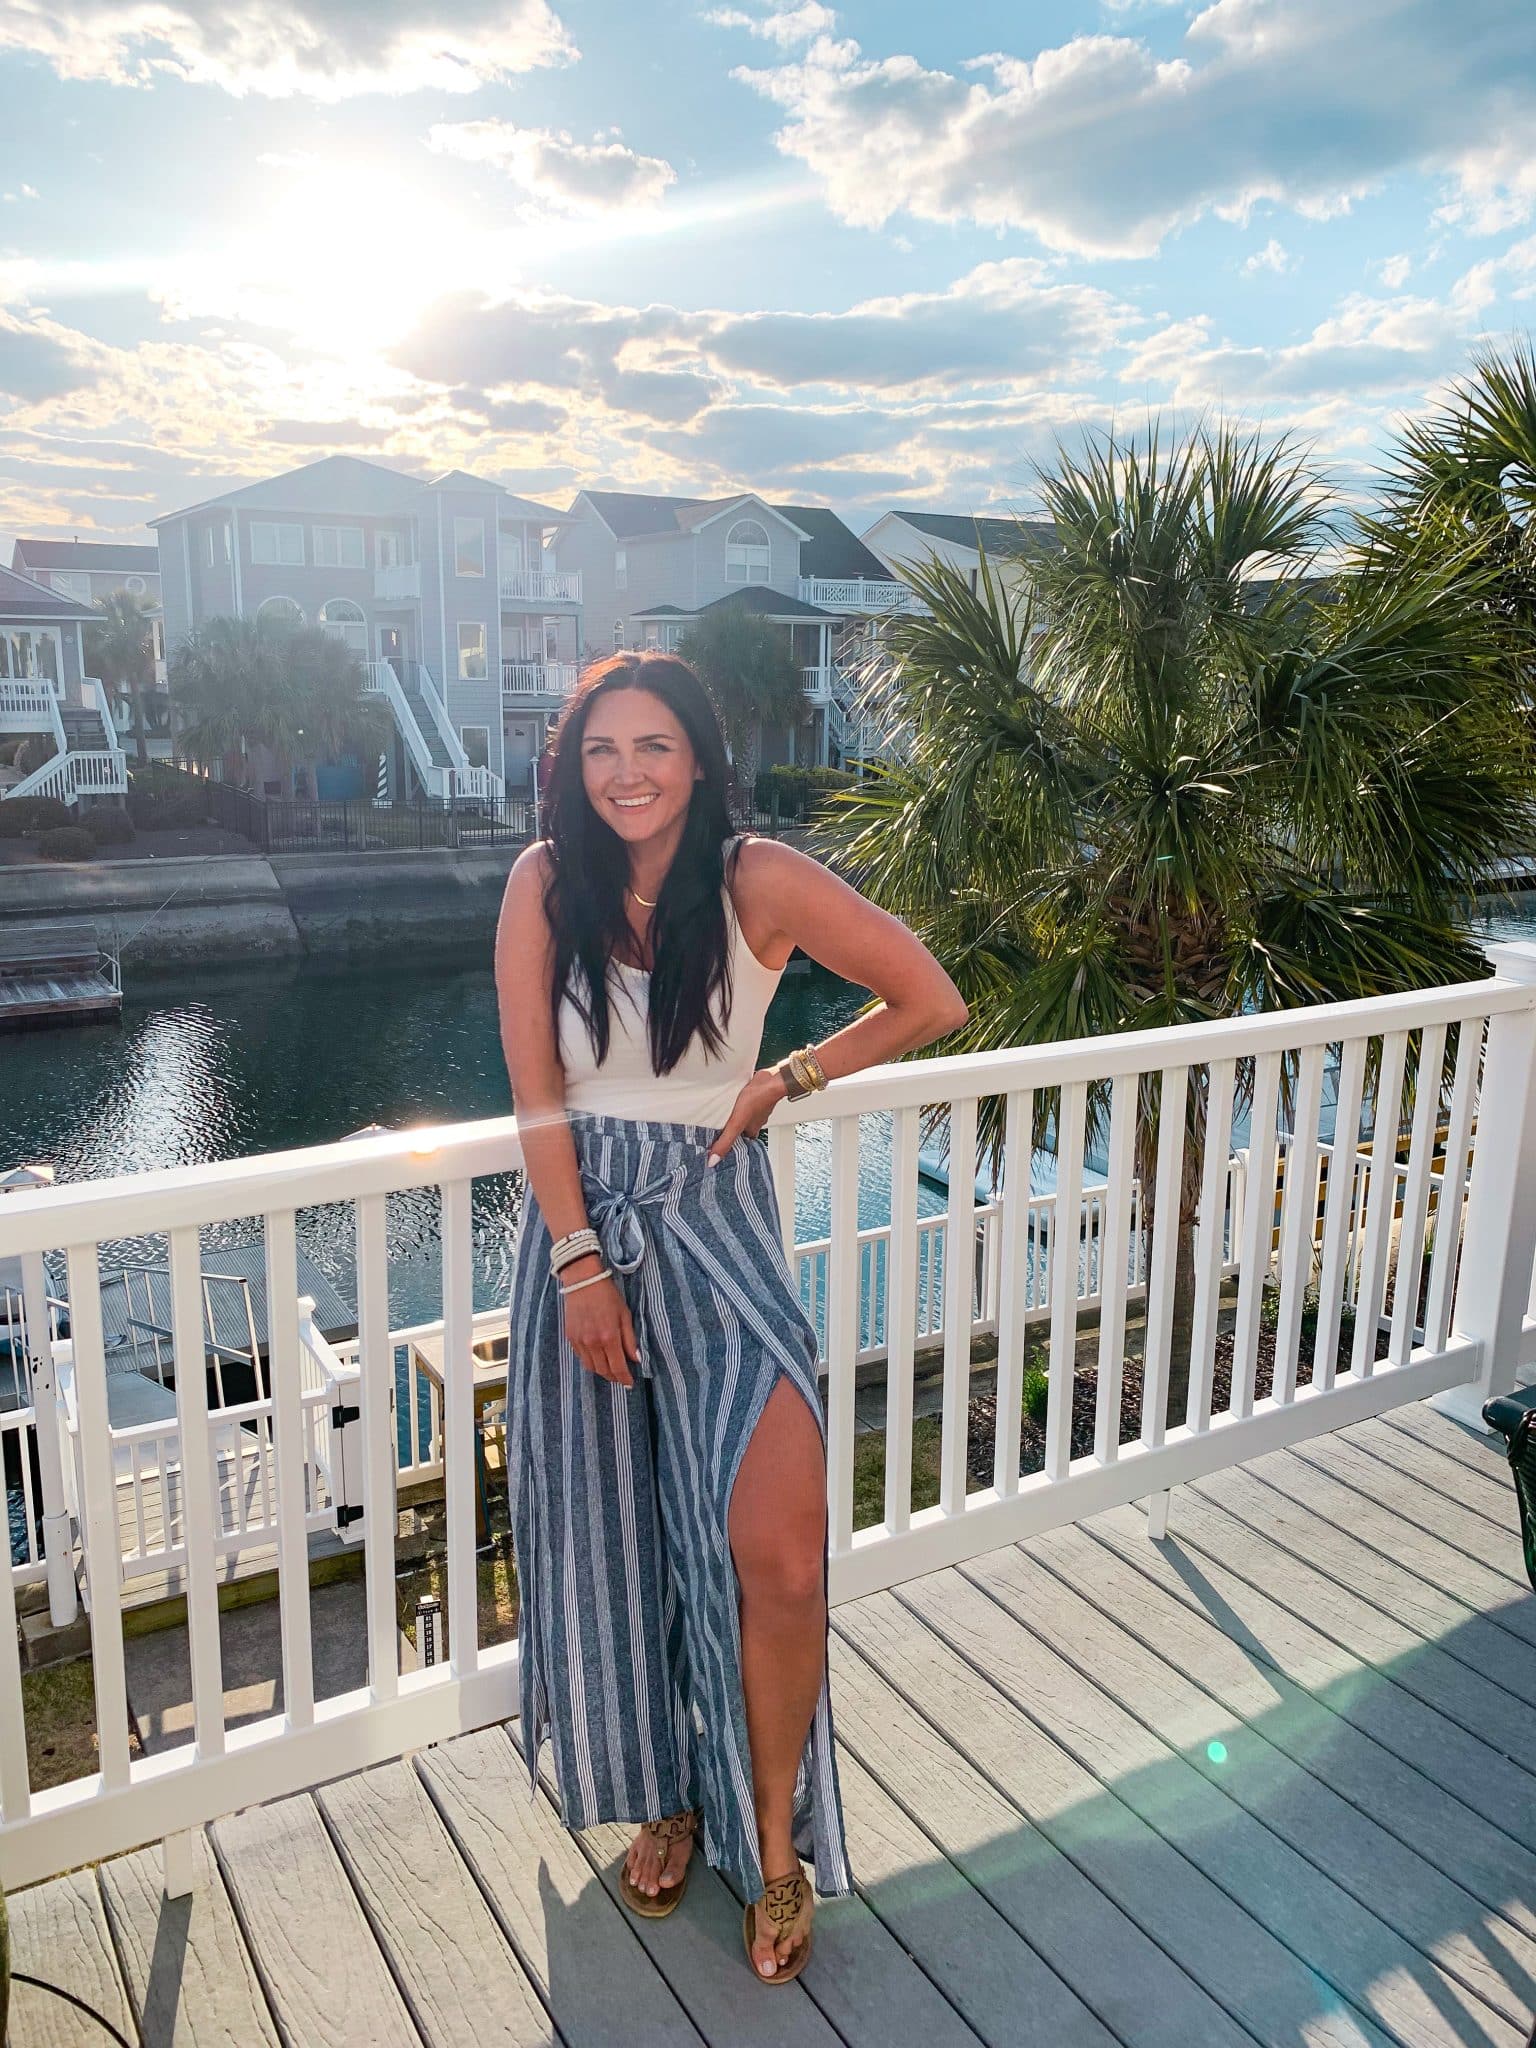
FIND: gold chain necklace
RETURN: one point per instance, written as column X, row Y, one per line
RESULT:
column 646, row 900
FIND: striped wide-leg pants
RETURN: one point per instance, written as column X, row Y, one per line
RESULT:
column 628, row 1626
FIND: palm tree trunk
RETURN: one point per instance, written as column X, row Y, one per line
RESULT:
column 140, row 738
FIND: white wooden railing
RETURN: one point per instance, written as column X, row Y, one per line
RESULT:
column 859, row 594
column 29, row 704
column 539, row 678
column 397, row 582
column 542, row 586
column 268, row 1466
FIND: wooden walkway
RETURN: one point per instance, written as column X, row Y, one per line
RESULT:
column 1272, row 1781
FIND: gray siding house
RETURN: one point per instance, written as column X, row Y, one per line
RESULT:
column 651, row 565
column 46, row 697
column 442, row 587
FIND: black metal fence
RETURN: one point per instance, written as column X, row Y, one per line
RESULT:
column 361, row 825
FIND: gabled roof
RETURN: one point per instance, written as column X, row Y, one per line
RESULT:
column 645, row 515
column 833, row 549
column 103, row 556
column 760, row 599
column 349, row 484
column 998, row 536
column 21, row 599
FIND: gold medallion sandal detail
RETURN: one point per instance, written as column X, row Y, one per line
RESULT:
column 781, row 1906
column 663, row 1833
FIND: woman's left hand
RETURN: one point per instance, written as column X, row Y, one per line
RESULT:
column 750, row 1111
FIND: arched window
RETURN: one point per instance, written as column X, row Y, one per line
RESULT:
column 746, row 553
column 279, row 611
column 344, row 621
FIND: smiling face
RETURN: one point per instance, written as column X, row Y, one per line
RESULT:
column 637, row 766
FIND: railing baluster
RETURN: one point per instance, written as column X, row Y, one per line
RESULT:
column 99, row 1515
column 1013, row 1287
column 1162, row 1274
column 1066, row 1232
column 376, row 1386
column 1453, row 1185
column 901, row 1320
column 1421, row 1159
column 781, row 1162
column 1338, row 1213
column 287, row 1426
column 15, row 1792
column 959, row 1281
column 1210, row 1250
column 1257, row 1232
column 1298, row 1219
column 842, row 1330
column 1114, row 1244
column 1377, row 1232
column 198, row 1477
column 459, row 1425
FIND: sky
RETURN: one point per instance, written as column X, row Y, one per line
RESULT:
column 878, row 255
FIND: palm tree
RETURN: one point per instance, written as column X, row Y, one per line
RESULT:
column 747, row 665
column 242, row 683
column 1153, row 787
column 119, row 651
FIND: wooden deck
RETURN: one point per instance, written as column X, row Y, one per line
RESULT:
column 1272, row 1781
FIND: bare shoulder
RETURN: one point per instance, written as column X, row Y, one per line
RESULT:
column 765, row 866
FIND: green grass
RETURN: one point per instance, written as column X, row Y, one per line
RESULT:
column 869, row 1471
column 59, row 1706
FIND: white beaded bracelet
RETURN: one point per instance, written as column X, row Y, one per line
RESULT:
column 577, row 1285
column 565, row 1251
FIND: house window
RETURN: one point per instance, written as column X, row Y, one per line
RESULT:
column 469, row 547
column 69, row 583
column 472, row 667
column 551, row 639
column 618, row 636
column 344, row 621
column 476, row 740
column 26, row 656
column 273, row 545
column 746, row 553
column 279, row 611
column 620, row 569
column 210, row 546
column 339, row 547
column 388, row 548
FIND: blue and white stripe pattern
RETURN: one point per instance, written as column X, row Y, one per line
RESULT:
column 628, row 1626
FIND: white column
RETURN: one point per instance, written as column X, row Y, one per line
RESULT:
column 1499, row 1239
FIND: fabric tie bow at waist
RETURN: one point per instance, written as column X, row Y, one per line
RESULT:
column 617, row 1214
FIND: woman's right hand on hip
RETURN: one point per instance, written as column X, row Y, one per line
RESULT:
column 599, row 1329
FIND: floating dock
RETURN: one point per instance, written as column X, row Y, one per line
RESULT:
column 57, row 974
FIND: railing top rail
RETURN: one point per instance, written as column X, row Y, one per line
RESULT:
column 174, row 1197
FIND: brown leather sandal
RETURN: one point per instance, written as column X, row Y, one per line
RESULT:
column 663, row 1833
column 782, row 1902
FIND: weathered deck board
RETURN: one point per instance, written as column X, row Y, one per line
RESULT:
column 1498, row 1870
column 1430, row 1611
column 460, row 1980
column 1138, row 1991
column 189, row 1973
column 1046, row 1850
column 577, row 1948
column 1258, row 1982
column 1378, row 1638
column 59, row 1933
column 1477, row 1448
column 320, row 1966
column 1376, row 1974
column 1342, row 1842
column 1488, row 1494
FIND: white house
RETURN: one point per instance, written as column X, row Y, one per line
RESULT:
column 902, row 539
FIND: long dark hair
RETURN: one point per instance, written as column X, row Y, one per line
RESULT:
column 690, row 983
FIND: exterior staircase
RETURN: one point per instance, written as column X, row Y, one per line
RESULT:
column 86, row 760
column 433, row 748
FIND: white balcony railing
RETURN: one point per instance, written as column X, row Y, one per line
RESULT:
column 816, row 682
column 1434, row 1259
column 539, row 678
column 27, row 704
column 541, row 586
column 859, row 594
column 397, row 583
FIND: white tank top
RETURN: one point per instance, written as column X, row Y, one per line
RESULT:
column 702, row 1088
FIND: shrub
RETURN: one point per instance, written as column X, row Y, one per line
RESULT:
column 796, row 788
column 21, row 816
column 66, row 842
column 1037, row 1394
column 8, row 752
column 32, row 753
column 108, row 826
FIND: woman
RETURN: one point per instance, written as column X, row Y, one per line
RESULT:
column 667, row 1442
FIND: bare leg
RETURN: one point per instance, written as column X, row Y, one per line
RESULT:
column 778, row 1537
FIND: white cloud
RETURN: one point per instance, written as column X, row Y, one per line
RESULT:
column 566, row 176
column 784, row 26
column 1099, row 146
column 327, row 49
column 1273, row 257
column 1395, row 271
